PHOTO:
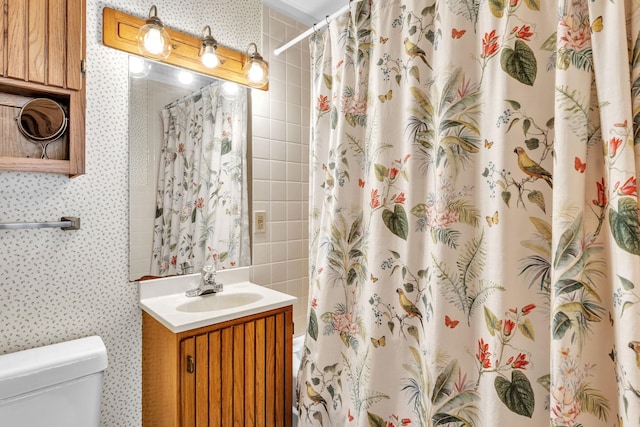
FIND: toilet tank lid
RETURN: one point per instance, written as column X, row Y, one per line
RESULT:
column 28, row 370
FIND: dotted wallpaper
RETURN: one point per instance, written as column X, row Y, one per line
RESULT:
column 60, row 285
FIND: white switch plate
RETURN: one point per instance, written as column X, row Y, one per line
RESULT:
column 259, row 222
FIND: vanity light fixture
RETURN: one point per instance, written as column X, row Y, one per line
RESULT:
column 255, row 68
column 208, row 49
column 153, row 40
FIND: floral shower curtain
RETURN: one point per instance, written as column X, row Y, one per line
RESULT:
column 202, row 205
column 474, row 216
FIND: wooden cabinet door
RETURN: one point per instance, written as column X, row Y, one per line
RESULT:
column 238, row 375
column 194, row 353
column 45, row 42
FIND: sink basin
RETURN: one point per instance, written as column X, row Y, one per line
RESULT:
column 164, row 299
column 220, row 301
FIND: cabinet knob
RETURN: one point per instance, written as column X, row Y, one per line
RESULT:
column 191, row 366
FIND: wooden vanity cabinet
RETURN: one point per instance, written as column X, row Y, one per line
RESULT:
column 236, row 373
column 42, row 54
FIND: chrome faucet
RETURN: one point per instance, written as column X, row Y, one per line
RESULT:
column 208, row 283
column 186, row 268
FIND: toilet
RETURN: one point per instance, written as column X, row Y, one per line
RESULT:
column 58, row 385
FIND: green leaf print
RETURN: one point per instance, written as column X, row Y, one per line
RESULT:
column 624, row 225
column 396, row 221
column 381, row 172
column 569, row 244
column 493, row 324
column 520, row 63
column 375, row 420
column 516, row 394
column 626, row 283
column 537, row 198
column 226, row 146
column 312, row 329
column 526, row 328
column 442, row 388
column 532, row 4
column 497, row 7
column 561, row 323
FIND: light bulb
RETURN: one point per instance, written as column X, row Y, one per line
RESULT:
column 154, row 42
column 209, row 58
column 256, row 73
column 256, row 70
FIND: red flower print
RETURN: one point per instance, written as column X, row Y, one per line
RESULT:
column 181, row 148
column 483, row 354
column 629, row 188
column 323, row 103
column 393, row 173
column 524, row 33
column 602, row 196
column 528, row 308
column 174, row 260
column 489, row 44
column 375, row 198
column 520, row 362
column 199, row 203
column 405, row 421
column 508, row 327
column 513, row 3
column 614, row 144
column 314, row 302
column 400, row 198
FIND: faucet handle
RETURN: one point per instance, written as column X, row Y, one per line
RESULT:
column 209, row 274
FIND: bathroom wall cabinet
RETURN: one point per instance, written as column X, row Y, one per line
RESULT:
column 42, row 54
column 236, row 373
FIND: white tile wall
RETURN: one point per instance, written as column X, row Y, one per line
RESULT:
column 280, row 130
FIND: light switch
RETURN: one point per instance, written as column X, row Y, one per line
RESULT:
column 259, row 222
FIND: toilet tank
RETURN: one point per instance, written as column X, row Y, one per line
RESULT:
column 58, row 385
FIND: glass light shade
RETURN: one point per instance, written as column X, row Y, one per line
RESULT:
column 208, row 57
column 153, row 40
column 257, row 72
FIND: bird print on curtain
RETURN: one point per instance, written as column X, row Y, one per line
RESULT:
column 474, row 232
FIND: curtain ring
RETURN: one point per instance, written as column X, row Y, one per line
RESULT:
column 326, row 19
column 315, row 30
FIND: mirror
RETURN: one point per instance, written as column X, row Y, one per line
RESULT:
column 159, row 95
column 42, row 121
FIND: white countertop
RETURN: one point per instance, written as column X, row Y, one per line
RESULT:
column 161, row 298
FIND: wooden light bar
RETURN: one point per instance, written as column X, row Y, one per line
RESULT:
column 119, row 31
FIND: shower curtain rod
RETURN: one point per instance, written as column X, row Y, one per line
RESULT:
column 314, row 28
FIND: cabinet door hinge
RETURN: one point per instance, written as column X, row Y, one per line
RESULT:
column 83, row 66
column 191, row 367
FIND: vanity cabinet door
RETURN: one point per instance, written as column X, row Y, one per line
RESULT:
column 239, row 375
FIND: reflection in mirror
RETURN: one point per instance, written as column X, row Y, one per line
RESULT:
column 187, row 171
column 42, row 120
